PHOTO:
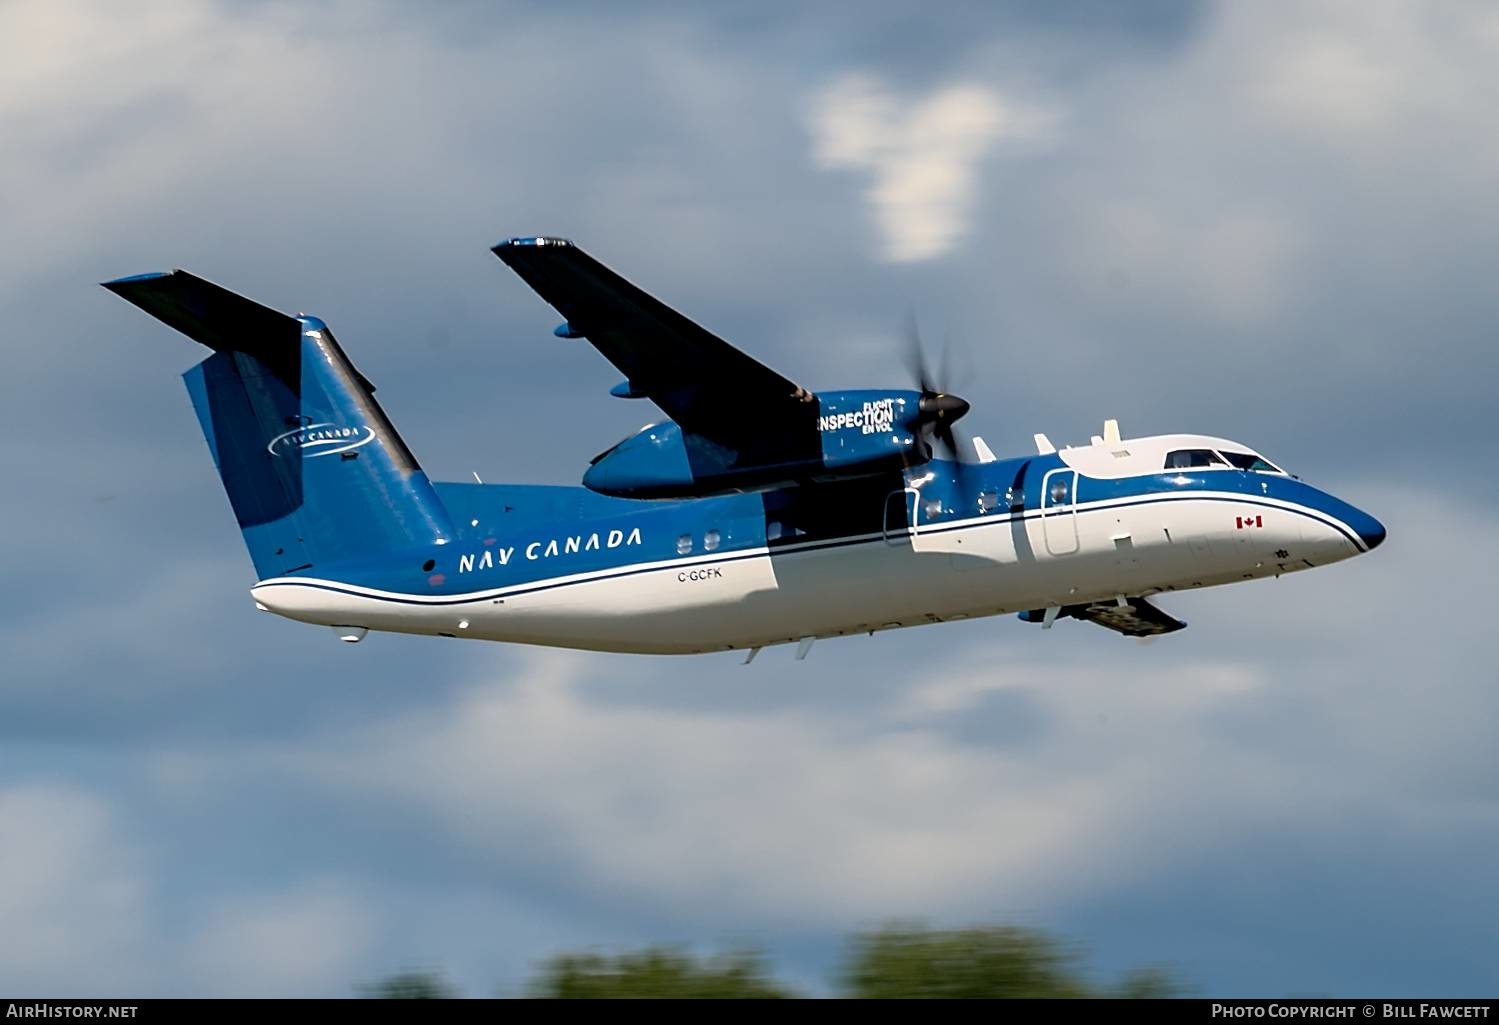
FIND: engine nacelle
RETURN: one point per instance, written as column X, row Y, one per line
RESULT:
column 868, row 432
column 649, row 464
column 859, row 434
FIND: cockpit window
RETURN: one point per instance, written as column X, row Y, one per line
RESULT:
column 1250, row 461
column 1187, row 458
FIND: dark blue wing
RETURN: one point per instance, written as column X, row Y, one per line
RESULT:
column 699, row 380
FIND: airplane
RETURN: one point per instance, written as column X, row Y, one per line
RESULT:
column 757, row 513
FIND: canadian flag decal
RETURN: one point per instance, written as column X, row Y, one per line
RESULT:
column 1248, row 521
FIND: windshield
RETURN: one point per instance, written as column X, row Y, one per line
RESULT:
column 1186, row 458
column 1250, row 461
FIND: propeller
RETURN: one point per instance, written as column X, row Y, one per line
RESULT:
column 938, row 409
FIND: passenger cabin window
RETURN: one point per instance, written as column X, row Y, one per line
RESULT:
column 1188, row 458
column 1250, row 461
column 684, row 544
column 988, row 501
column 710, row 541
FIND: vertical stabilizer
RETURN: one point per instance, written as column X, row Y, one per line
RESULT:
column 315, row 471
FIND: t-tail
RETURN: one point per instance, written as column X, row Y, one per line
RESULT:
column 314, row 470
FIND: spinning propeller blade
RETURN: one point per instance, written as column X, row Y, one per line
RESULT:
column 939, row 409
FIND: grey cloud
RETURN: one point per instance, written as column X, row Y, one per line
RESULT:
column 302, row 942
column 71, row 891
column 81, row 894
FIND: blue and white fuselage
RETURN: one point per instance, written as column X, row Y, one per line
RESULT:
column 566, row 567
column 760, row 513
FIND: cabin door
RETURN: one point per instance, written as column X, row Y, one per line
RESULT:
column 1059, row 511
column 902, row 509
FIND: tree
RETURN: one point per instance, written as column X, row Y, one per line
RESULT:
column 1146, row 984
column 978, row 963
column 656, row 972
column 412, row 985
column 982, row 962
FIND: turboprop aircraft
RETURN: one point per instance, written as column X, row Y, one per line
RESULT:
column 757, row 513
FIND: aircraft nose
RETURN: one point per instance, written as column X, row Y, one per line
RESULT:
column 1369, row 530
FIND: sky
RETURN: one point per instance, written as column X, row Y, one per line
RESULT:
column 1271, row 222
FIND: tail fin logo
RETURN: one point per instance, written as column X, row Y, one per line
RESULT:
column 321, row 440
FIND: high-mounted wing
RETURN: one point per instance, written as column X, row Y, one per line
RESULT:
column 711, row 389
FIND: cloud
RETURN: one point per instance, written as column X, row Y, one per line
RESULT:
column 778, row 816
column 1389, row 75
column 303, row 942
column 82, row 898
column 922, row 156
column 1233, row 266
column 42, row 661
column 74, row 895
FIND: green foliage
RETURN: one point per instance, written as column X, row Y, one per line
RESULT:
column 902, row 961
column 409, row 986
column 659, row 973
column 978, row 963
column 1146, row 984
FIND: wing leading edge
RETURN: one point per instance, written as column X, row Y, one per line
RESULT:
column 711, row 389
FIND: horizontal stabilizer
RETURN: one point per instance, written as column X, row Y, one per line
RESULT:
column 207, row 313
